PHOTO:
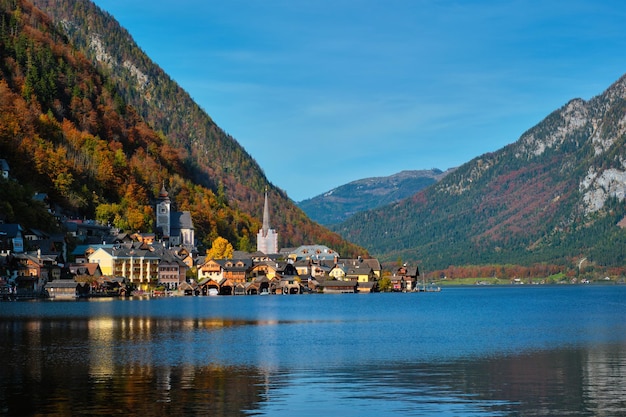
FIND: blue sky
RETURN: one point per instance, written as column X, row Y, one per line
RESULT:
column 322, row 93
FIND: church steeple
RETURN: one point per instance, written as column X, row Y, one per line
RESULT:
column 266, row 215
column 267, row 238
column 164, row 209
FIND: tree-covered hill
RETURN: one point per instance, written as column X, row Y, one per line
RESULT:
column 554, row 196
column 69, row 129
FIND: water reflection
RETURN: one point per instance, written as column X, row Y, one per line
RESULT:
column 500, row 352
column 145, row 366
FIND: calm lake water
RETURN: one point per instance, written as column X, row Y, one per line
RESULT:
column 484, row 351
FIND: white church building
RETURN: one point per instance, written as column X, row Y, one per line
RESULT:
column 267, row 238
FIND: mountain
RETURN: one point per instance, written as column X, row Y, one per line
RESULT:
column 89, row 119
column 555, row 195
column 336, row 205
column 184, row 145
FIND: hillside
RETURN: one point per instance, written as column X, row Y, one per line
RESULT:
column 338, row 204
column 555, row 195
column 184, row 141
column 67, row 129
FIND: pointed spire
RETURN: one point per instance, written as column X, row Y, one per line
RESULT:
column 266, row 214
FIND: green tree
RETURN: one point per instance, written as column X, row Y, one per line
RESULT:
column 384, row 284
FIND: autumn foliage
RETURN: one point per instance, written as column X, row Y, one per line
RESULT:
column 67, row 129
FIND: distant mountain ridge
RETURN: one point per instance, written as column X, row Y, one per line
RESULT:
column 338, row 204
column 554, row 196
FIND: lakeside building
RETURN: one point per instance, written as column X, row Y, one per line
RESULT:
column 140, row 265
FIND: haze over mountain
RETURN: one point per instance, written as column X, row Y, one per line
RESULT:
column 102, row 140
column 338, row 204
column 555, row 195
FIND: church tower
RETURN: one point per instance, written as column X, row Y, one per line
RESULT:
column 267, row 238
column 164, row 208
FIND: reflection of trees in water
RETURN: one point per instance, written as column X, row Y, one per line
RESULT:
column 132, row 390
column 558, row 382
column 158, row 367
column 80, row 367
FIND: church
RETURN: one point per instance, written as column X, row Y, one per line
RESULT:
column 267, row 238
column 175, row 227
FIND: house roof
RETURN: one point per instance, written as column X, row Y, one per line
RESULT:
column 10, row 230
column 121, row 251
column 320, row 252
column 333, row 283
column 62, row 283
column 246, row 264
column 181, row 220
column 89, row 268
column 359, row 270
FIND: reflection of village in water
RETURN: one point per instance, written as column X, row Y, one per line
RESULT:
column 112, row 358
column 166, row 263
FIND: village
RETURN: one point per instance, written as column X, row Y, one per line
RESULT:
column 107, row 263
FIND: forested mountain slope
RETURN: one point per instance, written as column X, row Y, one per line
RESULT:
column 337, row 205
column 206, row 155
column 67, row 129
column 555, row 195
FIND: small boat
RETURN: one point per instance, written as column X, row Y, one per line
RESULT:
column 213, row 292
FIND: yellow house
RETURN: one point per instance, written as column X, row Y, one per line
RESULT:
column 267, row 269
column 139, row 266
column 338, row 273
column 104, row 259
column 210, row 269
column 360, row 273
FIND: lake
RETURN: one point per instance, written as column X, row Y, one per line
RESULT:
column 471, row 351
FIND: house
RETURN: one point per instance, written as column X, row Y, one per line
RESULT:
column 259, row 285
column 85, row 270
column 147, row 238
column 377, row 268
column 172, row 271
column 236, row 269
column 331, row 286
column 44, row 267
column 405, row 278
column 288, row 284
column 138, row 263
column 338, row 272
column 368, row 287
column 33, row 271
column 210, row 286
column 63, row 289
column 210, row 269
column 88, row 231
column 81, row 253
column 186, row 256
column 314, row 253
column 11, row 238
column 321, row 269
column 265, row 268
column 360, row 273
column 188, row 288
column 35, row 234
column 4, row 169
